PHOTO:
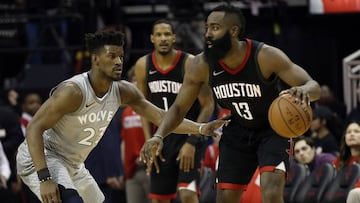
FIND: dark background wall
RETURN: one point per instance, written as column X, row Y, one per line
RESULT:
column 316, row 42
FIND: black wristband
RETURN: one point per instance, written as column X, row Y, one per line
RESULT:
column 192, row 139
column 44, row 175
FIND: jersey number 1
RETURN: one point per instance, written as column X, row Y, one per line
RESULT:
column 166, row 104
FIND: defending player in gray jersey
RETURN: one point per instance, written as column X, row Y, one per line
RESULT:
column 72, row 121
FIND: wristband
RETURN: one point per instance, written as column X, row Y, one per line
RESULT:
column 44, row 175
column 201, row 127
column 158, row 136
column 46, row 179
column 192, row 139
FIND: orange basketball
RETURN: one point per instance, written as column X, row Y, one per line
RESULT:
column 289, row 118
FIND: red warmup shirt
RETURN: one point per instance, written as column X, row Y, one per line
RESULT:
column 211, row 155
column 353, row 160
column 252, row 194
column 24, row 121
column 132, row 135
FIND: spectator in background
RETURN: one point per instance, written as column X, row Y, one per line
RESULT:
column 137, row 183
column 30, row 103
column 13, row 96
column 10, row 136
column 328, row 99
column 10, row 98
column 349, row 146
column 305, row 153
column 349, row 154
column 321, row 125
column 104, row 163
column 4, row 169
column 338, row 109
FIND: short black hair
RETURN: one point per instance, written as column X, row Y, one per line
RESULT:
column 308, row 140
column 97, row 40
column 231, row 10
column 165, row 21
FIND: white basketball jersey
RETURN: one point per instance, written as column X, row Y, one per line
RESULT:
column 77, row 133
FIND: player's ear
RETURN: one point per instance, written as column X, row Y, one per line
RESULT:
column 174, row 38
column 234, row 31
column 94, row 58
column 152, row 38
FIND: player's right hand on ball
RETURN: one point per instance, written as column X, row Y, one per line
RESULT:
column 150, row 152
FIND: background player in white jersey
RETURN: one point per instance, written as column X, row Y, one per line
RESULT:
column 72, row 121
column 159, row 76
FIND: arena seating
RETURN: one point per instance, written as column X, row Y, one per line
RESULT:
column 342, row 184
column 296, row 175
column 315, row 185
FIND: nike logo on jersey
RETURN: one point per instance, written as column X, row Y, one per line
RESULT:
column 87, row 105
column 152, row 72
column 217, row 73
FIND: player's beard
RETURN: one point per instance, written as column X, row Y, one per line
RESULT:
column 165, row 52
column 219, row 49
column 116, row 77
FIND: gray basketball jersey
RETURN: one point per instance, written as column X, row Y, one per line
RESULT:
column 77, row 133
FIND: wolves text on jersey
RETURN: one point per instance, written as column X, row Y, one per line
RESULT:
column 95, row 117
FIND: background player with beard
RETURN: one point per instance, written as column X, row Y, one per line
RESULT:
column 74, row 118
column 159, row 76
column 244, row 76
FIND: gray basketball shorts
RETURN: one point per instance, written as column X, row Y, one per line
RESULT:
column 78, row 179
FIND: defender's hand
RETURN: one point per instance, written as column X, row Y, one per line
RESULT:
column 186, row 157
column 49, row 192
column 211, row 128
column 150, row 151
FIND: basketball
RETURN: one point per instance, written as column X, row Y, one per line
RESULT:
column 289, row 118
